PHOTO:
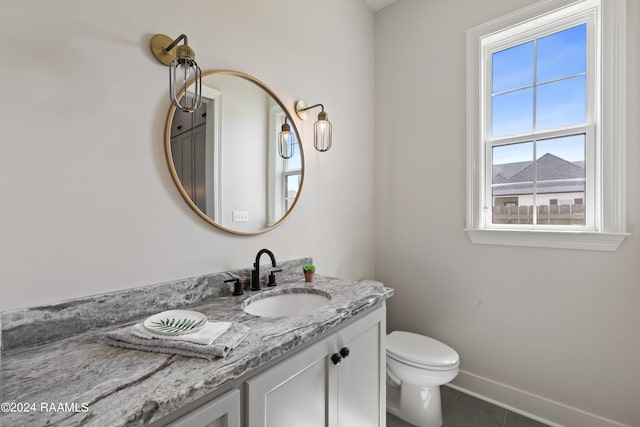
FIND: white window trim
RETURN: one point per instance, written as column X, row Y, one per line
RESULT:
column 610, row 160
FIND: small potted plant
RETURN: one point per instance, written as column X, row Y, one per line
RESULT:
column 308, row 270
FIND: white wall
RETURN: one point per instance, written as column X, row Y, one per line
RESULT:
column 561, row 324
column 88, row 204
column 244, row 152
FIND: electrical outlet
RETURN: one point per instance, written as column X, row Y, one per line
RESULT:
column 240, row 216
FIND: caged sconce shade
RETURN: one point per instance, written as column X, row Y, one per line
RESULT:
column 321, row 128
column 285, row 141
column 182, row 68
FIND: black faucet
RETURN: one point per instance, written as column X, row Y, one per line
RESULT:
column 255, row 273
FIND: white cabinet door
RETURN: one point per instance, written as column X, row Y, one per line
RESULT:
column 323, row 386
column 221, row 412
column 362, row 374
column 296, row 392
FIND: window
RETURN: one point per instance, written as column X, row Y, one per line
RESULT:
column 284, row 177
column 292, row 177
column 545, row 135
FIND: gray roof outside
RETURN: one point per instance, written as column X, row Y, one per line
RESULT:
column 502, row 173
column 518, row 177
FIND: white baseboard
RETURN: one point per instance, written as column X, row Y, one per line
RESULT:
column 529, row 405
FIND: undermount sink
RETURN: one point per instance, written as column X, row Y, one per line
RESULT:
column 286, row 302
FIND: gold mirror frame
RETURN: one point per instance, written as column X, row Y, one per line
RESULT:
column 176, row 178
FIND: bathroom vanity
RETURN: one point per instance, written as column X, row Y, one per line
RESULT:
column 325, row 367
column 312, row 387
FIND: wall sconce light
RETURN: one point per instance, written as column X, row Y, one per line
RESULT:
column 285, row 141
column 182, row 66
column 321, row 128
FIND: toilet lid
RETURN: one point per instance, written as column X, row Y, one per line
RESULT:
column 419, row 350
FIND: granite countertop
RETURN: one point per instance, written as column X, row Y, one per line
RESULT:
column 118, row 387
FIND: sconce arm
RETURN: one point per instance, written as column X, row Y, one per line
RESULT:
column 301, row 109
column 313, row 106
column 176, row 41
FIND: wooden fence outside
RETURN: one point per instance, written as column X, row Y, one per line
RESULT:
column 547, row 214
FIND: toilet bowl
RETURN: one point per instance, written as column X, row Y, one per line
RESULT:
column 416, row 368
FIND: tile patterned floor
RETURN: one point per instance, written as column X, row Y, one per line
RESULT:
column 461, row 410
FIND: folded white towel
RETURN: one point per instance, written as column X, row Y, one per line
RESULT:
column 203, row 336
column 221, row 347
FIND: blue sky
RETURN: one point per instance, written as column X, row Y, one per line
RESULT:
column 553, row 69
column 571, row 148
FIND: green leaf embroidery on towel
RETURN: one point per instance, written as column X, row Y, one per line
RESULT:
column 180, row 325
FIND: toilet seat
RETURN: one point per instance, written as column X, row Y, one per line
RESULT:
column 421, row 352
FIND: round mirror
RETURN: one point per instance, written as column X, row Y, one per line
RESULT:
column 225, row 157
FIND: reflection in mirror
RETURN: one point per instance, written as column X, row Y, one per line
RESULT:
column 224, row 157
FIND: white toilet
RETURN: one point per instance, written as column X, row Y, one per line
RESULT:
column 416, row 368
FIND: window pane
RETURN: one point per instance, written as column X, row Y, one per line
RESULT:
column 512, row 113
column 511, row 154
column 294, row 162
column 560, row 188
column 512, row 189
column 562, row 54
column 560, row 211
column 570, row 149
column 513, row 68
column 561, row 103
column 292, row 186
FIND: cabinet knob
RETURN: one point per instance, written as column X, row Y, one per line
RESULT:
column 344, row 352
column 336, row 358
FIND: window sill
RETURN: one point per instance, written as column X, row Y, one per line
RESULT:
column 594, row 241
